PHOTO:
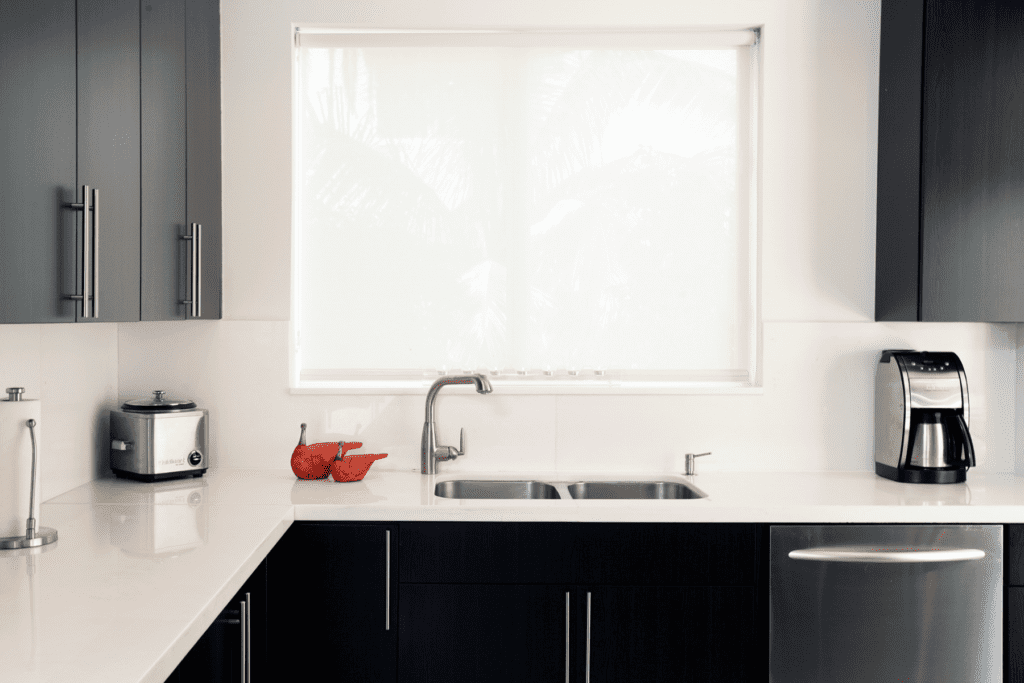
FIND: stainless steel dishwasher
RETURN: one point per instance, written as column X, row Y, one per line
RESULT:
column 900, row 603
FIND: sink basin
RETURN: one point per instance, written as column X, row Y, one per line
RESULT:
column 632, row 490
column 465, row 488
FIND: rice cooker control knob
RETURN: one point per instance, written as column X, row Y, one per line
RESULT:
column 194, row 458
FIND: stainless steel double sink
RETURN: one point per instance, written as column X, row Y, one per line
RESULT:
column 527, row 490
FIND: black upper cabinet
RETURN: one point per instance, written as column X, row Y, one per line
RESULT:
column 37, row 160
column 164, row 262
column 122, row 96
column 202, row 68
column 180, row 158
column 950, row 240
column 108, row 152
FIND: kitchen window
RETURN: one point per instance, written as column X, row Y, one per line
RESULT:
column 564, row 211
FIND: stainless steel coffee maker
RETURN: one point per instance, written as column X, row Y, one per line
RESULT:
column 921, row 417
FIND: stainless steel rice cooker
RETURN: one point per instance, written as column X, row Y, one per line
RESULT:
column 159, row 438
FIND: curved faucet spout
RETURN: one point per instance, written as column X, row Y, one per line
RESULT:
column 430, row 453
column 483, row 386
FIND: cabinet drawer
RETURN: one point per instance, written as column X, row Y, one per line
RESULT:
column 486, row 552
column 609, row 554
column 667, row 554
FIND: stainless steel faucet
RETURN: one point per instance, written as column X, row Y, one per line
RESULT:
column 430, row 452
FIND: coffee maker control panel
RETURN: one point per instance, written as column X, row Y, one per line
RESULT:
column 934, row 382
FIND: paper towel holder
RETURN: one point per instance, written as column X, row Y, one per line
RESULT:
column 33, row 537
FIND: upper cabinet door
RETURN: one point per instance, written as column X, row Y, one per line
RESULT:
column 181, row 231
column 950, row 229
column 972, row 248
column 108, row 148
column 164, row 253
column 37, row 161
column 202, row 69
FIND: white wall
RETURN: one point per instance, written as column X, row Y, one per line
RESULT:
column 820, row 76
column 72, row 369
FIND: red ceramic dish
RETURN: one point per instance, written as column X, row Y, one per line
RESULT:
column 313, row 461
column 354, row 467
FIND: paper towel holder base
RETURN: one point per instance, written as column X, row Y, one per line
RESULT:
column 33, row 537
column 44, row 536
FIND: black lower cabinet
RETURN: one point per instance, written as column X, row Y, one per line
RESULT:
column 1013, row 603
column 1013, row 666
column 667, row 633
column 226, row 649
column 333, row 603
column 452, row 602
column 586, row 603
column 466, row 633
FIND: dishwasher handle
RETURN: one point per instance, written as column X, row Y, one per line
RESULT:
column 874, row 555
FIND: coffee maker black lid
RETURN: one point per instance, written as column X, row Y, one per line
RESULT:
column 889, row 353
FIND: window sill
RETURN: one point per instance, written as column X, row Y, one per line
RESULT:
column 512, row 387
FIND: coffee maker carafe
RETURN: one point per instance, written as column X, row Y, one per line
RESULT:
column 921, row 418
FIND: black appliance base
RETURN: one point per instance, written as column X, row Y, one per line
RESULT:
column 909, row 476
column 150, row 478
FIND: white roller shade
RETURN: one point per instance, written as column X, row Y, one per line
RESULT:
column 553, row 207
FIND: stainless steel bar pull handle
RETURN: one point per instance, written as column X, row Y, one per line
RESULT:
column 387, row 579
column 195, row 300
column 244, row 620
column 94, row 290
column 588, row 637
column 876, row 555
column 197, row 285
column 247, row 625
column 566, row 636
column 85, row 263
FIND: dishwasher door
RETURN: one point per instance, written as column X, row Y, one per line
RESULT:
column 900, row 603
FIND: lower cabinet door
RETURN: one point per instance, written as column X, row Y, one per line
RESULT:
column 1014, row 635
column 469, row 633
column 331, row 600
column 677, row 634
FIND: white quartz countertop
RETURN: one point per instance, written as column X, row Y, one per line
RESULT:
column 141, row 570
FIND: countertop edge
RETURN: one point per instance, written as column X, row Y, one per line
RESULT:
column 186, row 640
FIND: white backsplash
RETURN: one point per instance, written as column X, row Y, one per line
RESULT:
column 72, row 369
column 816, row 412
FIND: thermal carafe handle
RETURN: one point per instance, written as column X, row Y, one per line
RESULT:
column 867, row 554
column 968, row 442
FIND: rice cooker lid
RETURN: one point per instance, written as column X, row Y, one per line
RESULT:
column 160, row 403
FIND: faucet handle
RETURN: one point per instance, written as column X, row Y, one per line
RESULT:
column 444, row 453
column 689, row 461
